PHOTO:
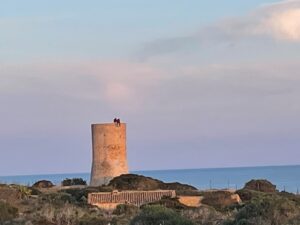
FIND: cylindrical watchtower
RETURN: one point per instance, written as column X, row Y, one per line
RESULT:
column 109, row 152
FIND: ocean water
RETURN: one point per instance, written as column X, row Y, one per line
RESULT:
column 284, row 177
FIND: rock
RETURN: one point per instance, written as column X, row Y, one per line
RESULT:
column 43, row 184
column 138, row 182
column 220, row 199
column 261, row 185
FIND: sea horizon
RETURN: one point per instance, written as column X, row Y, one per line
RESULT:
column 285, row 177
column 154, row 170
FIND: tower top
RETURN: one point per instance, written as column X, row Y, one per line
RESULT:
column 105, row 124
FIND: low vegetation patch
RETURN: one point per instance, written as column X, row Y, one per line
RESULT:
column 126, row 209
column 157, row 214
column 73, row 181
column 21, row 205
column 267, row 209
column 7, row 212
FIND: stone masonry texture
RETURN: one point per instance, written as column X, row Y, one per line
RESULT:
column 109, row 152
column 137, row 198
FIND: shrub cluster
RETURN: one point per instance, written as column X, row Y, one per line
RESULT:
column 267, row 209
column 73, row 181
column 156, row 214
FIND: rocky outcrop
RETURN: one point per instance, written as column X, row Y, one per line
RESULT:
column 261, row 185
column 142, row 183
column 43, row 184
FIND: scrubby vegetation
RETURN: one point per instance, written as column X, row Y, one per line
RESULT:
column 7, row 212
column 73, row 181
column 20, row 205
column 156, row 214
column 266, row 209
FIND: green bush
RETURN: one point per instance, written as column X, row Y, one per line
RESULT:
column 7, row 212
column 125, row 209
column 171, row 203
column 88, row 220
column 73, row 181
column 156, row 215
column 268, row 209
column 79, row 195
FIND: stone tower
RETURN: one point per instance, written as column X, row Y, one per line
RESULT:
column 109, row 152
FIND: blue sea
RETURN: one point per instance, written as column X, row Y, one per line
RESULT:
column 284, row 177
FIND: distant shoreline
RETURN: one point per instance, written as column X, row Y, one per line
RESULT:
column 159, row 170
column 284, row 177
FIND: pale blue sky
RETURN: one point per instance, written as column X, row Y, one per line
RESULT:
column 204, row 83
column 102, row 29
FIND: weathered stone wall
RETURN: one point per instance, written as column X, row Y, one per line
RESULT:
column 137, row 198
column 109, row 152
column 191, row 201
column 107, row 206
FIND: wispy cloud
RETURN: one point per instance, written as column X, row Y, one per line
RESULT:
column 279, row 22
